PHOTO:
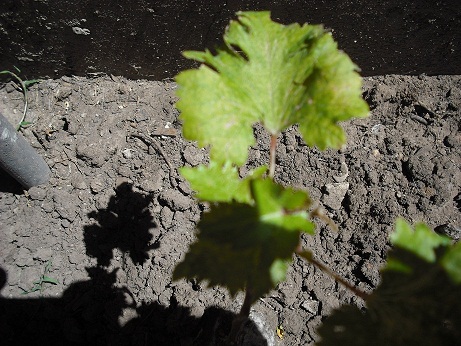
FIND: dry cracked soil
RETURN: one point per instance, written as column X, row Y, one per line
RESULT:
column 116, row 216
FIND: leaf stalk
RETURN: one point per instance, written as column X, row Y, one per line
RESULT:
column 272, row 151
column 309, row 257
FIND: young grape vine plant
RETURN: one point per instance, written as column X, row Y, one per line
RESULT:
column 279, row 76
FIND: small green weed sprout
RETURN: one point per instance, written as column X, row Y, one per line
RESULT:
column 39, row 285
column 23, row 86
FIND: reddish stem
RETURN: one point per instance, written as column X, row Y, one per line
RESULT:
column 329, row 272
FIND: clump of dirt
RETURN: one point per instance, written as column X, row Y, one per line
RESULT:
column 116, row 216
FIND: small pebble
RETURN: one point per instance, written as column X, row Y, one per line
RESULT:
column 334, row 194
column 311, row 306
column 37, row 193
column 97, row 185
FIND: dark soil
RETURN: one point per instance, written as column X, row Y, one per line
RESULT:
column 116, row 217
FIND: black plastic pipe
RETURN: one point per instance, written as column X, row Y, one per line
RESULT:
column 19, row 159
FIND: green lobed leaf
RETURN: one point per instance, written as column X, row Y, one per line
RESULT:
column 333, row 93
column 422, row 241
column 417, row 308
column 275, row 74
column 242, row 245
column 281, row 206
column 417, row 301
column 451, row 262
column 221, row 183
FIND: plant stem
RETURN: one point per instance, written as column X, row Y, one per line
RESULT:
column 328, row 271
column 246, row 306
column 242, row 316
column 272, row 156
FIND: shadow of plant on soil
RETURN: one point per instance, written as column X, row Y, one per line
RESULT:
column 88, row 314
column 124, row 224
column 91, row 312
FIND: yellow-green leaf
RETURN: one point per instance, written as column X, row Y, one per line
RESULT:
column 271, row 73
